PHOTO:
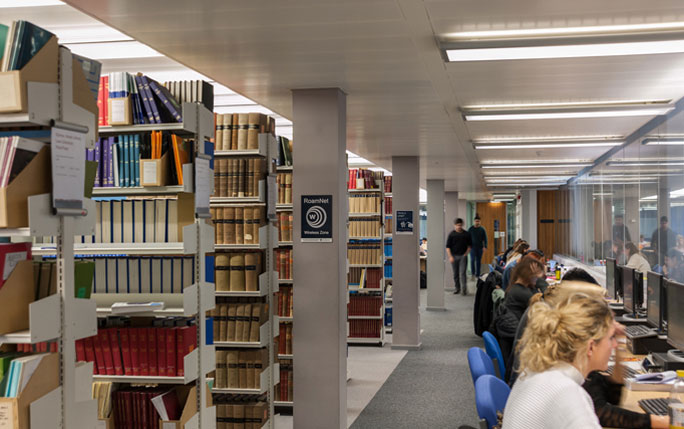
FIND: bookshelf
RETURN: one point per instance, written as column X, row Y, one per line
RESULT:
column 365, row 278
column 59, row 317
column 387, row 250
column 233, row 346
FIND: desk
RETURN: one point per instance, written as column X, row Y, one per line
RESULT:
column 631, row 397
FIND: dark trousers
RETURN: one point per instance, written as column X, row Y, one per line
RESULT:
column 459, row 265
column 476, row 261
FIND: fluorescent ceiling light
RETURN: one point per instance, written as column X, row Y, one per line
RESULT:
column 603, row 194
column 29, row 3
column 663, row 141
column 502, row 200
column 546, row 145
column 643, row 163
column 525, row 185
column 565, row 31
column 87, row 33
column 540, row 165
column 520, row 114
column 527, row 179
column 422, row 196
column 503, row 195
column 114, row 50
column 243, row 109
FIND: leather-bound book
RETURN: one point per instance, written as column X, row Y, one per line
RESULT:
column 223, row 271
column 243, row 123
column 234, row 132
column 237, row 272
column 253, row 130
column 232, row 321
column 227, row 131
column 233, row 381
column 239, row 225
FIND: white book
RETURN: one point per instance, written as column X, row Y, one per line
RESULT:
column 127, row 226
column 172, row 223
column 111, row 276
column 156, row 275
column 160, row 215
column 106, row 215
column 138, row 221
column 136, row 307
column 98, row 222
column 176, row 265
column 100, row 276
column 145, row 285
column 122, row 275
column 150, row 226
column 188, row 272
column 117, row 222
column 134, row 275
column 167, row 270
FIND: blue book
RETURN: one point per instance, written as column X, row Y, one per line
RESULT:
column 152, row 101
column 145, row 98
column 131, row 165
column 96, row 157
column 8, row 386
column 105, row 164
column 136, row 159
column 169, row 102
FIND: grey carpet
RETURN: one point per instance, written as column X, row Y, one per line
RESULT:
column 431, row 387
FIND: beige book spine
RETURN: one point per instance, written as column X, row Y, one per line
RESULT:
column 258, row 173
column 221, row 369
column 219, row 225
column 257, row 214
column 223, row 165
column 239, row 225
column 242, row 369
column 247, row 322
column 239, row 322
column 229, row 225
column 250, row 360
column 249, row 177
column 251, row 274
column 234, row 132
column 255, row 323
column 241, row 173
column 218, row 137
column 243, row 123
column 227, row 131
column 222, row 272
column 223, row 324
column 237, row 272
column 288, row 188
column 232, row 319
column 253, row 130
column 232, row 369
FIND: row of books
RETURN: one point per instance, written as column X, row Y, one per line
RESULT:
column 240, row 369
column 366, row 278
column 387, row 182
column 237, row 225
column 144, row 220
column 17, row 370
column 284, row 345
column 238, row 177
column 284, row 389
column 252, row 415
column 362, row 178
column 364, row 203
column 284, row 151
column 102, row 393
column 239, row 321
column 45, row 277
column 365, row 227
column 118, row 157
column 143, row 274
column 365, row 328
column 149, row 351
column 133, row 407
column 237, row 272
column 284, row 301
column 284, row 225
column 388, row 205
column 192, row 91
column 284, row 184
column 284, row 263
column 388, row 225
column 364, row 253
column 19, row 43
column 240, row 131
column 126, row 99
column 42, row 347
column 364, row 305
column 388, row 248
column 388, row 269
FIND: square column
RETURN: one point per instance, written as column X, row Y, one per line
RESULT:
column 320, row 268
column 436, row 250
column 405, row 261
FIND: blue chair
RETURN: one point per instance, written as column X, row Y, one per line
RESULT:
column 491, row 395
column 479, row 363
column 494, row 352
column 491, row 268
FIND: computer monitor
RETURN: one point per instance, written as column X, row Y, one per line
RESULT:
column 654, row 300
column 675, row 315
column 618, row 282
column 610, row 278
column 638, row 291
column 628, row 289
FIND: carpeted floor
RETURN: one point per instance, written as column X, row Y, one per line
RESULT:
column 431, row 387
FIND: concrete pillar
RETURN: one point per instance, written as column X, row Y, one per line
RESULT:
column 451, row 212
column 436, row 254
column 405, row 263
column 529, row 218
column 320, row 269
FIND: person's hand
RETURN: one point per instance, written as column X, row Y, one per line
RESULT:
column 451, row 259
column 619, row 328
column 660, row 422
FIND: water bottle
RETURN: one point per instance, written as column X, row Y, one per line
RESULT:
column 676, row 405
column 558, row 272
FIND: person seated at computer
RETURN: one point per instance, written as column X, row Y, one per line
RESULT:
column 635, row 259
column 680, row 243
column 674, row 266
column 517, row 253
column 561, row 345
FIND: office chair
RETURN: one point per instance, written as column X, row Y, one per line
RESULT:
column 491, row 268
column 494, row 351
column 479, row 363
column 491, row 395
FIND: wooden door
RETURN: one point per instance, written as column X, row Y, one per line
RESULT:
column 489, row 212
column 546, row 222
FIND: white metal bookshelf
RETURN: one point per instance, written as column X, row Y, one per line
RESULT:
column 268, row 280
column 388, row 258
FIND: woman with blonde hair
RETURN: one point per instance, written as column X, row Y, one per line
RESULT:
column 561, row 345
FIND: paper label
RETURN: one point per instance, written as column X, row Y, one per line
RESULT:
column 6, row 414
column 272, row 194
column 68, row 173
column 204, row 177
column 149, row 172
column 11, row 261
column 117, row 110
column 8, row 91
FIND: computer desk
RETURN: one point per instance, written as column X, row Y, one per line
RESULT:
column 631, row 397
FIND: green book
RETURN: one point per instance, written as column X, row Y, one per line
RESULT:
column 84, row 272
column 3, row 39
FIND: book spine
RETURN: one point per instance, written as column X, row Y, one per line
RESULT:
column 96, row 156
column 171, row 352
column 152, row 352
column 162, row 368
column 116, row 351
column 126, row 351
column 136, row 158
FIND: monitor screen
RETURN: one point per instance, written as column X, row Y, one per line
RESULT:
column 628, row 289
column 675, row 315
column 610, row 278
column 653, row 299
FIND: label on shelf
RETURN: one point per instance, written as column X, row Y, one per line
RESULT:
column 68, row 175
column 204, row 177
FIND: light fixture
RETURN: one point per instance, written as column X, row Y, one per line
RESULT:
column 545, row 145
column 602, row 194
column 526, row 185
column 29, row 3
column 527, row 179
column 87, row 33
column 663, row 141
column 644, row 163
column 114, row 50
column 538, row 165
column 503, row 195
column 504, row 113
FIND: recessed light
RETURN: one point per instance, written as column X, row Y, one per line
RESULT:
column 114, row 50
column 545, row 145
column 663, row 141
column 540, row 165
column 565, row 113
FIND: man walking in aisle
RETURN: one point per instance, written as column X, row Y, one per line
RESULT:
column 458, row 245
column 478, row 236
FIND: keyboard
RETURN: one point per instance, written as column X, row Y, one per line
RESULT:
column 626, row 371
column 639, row 331
column 656, row 406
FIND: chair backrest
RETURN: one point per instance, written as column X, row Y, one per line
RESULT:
column 494, row 351
column 491, row 268
column 479, row 363
column 491, row 395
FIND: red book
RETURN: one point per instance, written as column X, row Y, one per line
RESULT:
column 99, row 356
column 80, row 351
column 186, row 342
column 90, row 353
column 106, row 350
column 116, row 351
column 54, row 347
column 142, row 351
column 144, row 412
column 100, row 103
column 126, row 351
column 161, row 351
column 106, row 100
column 171, row 352
column 152, row 351
column 134, row 350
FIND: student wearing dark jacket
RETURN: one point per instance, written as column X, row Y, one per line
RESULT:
column 478, row 237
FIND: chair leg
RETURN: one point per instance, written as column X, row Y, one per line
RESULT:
column 483, row 424
column 496, row 368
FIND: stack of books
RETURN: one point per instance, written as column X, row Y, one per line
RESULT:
column 246, row 414
column 361, row 178
column 240, row 131
column 364, row 305
column 238, row 178
column 364, row 203
column 239, row 322
column 237, row 225
column 133, row 407
column 284, row 183
column 20, row 42
column 364, row 278
column 284, row 390
column 364, row 253
column 285, row 339
column 284, row 151
column 284, row 263
column 284, row 226
column 284, row 297
column 367, row 227
column 240, row 369
column 143, row 274
column 237, row 272
column 192, row 91
column 369, row 328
